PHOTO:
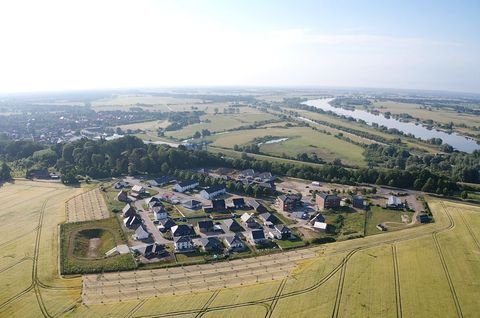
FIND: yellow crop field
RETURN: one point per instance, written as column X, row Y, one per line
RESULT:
column 87, row 206
column 425, row 271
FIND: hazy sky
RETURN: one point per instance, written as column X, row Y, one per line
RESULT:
column 55, row 45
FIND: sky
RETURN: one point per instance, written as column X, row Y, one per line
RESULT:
column 74, row 45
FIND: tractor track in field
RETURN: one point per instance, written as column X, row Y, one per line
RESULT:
column 339, row 292
column 396, row 274
column 36, row 284
column 456, row 302
column 327, row 277
column 26, row 258
column 472, row 234
column 276, row 298
column 135, row 309
column 207, row 304
column 18, row 237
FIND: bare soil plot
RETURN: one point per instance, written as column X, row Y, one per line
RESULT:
column 87, row 206
column 111, row 287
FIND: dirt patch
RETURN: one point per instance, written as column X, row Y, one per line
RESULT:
column 93, row 247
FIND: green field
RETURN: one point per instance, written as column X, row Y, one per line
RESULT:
column 75, row 239
column 424, row 271
column 301, row 139
column 220, row 122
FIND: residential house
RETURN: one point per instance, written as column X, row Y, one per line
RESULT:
column 151, row 200
column 120, row 185
column 160, row 181
column 211, row 244
column 122, row 196
column 320, row 226
column 166, row 224
column 249, row 220
column 358, row 202
column 138, row 189
column 218, row 205
column 257, row 206
column 128, row 210
column 394, row 202
column 232, row 225
column 317, row 218
column 141, row 234
column 192, row 204
column 183, row 243
column 327, row 201
column 238, row 203
column 152, row 250
column 288, row 202
column 183, row 186
column 234, row 243
column 182, row 230
column 212, row 192
column 268, row 218
column 160, row 213
column 205, row 226
column 284, row 233
column 155, row 204
column 257, row 236
column 131, row 222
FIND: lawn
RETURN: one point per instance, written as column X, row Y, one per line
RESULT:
column 377, row 215
column 287, row 244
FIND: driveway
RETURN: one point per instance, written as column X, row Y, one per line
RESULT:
column 151, row 227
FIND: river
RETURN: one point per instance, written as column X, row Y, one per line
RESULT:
column 457, row 141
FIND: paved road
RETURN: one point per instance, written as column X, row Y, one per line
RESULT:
column 152, row 228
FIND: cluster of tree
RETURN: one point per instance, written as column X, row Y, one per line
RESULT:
column 181, row 119
column 5, row 173
column 204, row 133
column 130, row 155
column 457, row 166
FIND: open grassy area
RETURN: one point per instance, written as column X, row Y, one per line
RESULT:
column 391, row 218
column 423, row 271
column 220, row 122
column 300, row 140
column 76, row 247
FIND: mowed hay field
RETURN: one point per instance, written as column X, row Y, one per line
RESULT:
column 29, row 282
column 87, row 206
column 425, row 271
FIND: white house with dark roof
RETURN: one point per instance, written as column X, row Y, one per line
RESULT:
column 183, row 243
column 234, row 243
column 212, row 192
column 183, row 186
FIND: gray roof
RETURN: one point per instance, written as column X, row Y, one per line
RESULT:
column 181, row 239
column 187, row 183
column 233, row 239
